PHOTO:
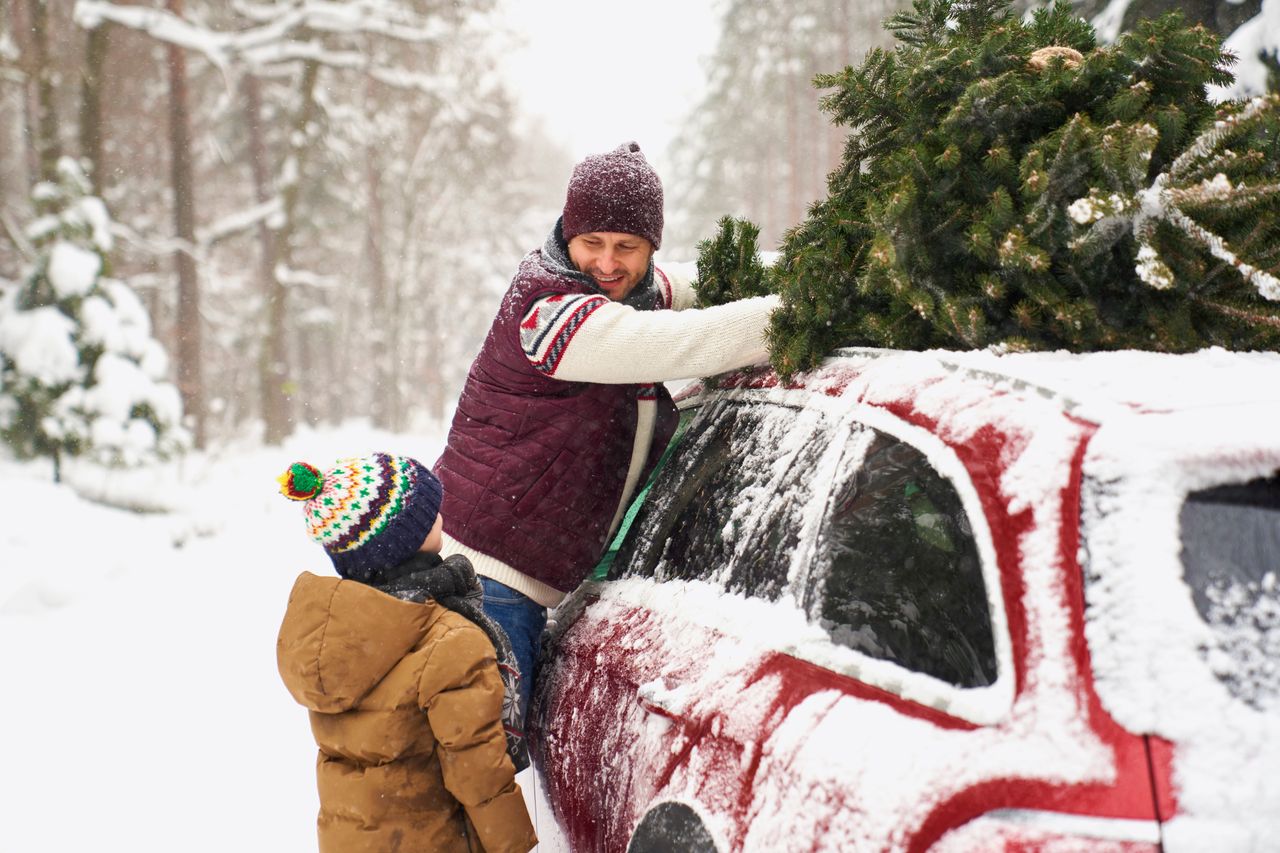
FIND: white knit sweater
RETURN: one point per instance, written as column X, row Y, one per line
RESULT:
column 592, row 339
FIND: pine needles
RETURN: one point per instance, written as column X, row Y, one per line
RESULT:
column 1010, row 183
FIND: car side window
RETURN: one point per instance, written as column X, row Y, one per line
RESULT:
column 1230, row 542
column 702, row 453
column 898, row 573
column 725, row 508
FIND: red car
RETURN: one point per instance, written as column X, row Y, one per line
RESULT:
column 948, row 601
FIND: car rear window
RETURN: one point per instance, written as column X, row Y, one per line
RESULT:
column 1231, row 562
column 896, row 574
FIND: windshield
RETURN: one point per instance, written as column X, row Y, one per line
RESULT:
column 1231, row 561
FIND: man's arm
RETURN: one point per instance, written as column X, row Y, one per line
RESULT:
column 679, row 278
column 591, row 339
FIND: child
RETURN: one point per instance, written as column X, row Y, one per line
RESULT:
column 405, row 693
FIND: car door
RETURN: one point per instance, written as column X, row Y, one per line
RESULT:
column 623, row 671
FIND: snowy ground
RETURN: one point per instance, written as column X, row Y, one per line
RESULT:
column 143, row 707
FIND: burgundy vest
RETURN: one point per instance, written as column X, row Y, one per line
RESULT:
column 534, row 467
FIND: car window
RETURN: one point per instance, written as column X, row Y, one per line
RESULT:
column 895, row 571
column 604, row 568
column 1231, row 561
column 726, row 505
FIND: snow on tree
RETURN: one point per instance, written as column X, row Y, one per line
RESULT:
column 373, row 150
column 80, row 373
column 1007, row 182
column 1198, row 179
column 1257, row 44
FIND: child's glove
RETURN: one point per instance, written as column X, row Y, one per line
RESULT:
column 464, row 580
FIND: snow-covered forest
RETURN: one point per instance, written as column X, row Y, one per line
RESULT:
column 237, row 233
column 318, row 203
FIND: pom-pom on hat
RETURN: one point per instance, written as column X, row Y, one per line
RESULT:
column 370, row 513
column 617, row 192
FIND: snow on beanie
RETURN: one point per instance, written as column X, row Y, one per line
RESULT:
column 370, row 513
column 618, row 192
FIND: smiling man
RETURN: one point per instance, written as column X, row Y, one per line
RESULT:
column 564, row 413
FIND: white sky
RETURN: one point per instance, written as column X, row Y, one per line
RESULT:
column 601, row 72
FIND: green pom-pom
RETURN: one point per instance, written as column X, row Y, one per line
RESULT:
column 300, row 482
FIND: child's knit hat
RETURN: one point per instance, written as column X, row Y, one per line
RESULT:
column 370, row 513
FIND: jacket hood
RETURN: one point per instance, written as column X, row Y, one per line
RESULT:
column 341, row 637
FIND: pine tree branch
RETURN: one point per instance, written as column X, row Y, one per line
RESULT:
column 1221, row 129
column 1267, row 285
column 1237, row 313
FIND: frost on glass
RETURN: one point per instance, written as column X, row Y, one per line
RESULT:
column 1231, row 561
column 895, row 574
column 727, row 507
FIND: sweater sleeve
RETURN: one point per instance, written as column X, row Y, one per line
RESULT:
column 591, row 339
column 461, row 692
column 679, row 279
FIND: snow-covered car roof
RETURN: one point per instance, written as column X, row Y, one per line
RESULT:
column 1089, row 384
column 1142, row 380
column 1211, row 408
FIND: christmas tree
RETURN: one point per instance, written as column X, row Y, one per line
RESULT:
column 80, row 373
column 1008, row 183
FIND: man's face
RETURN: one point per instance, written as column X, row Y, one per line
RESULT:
column 616, row 261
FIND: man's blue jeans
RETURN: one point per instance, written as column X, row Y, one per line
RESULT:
column 524, row 620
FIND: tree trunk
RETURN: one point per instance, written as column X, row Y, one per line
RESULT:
column 97, row 45
column 337, row 389
column 774, row 225
column 190, row 382
column 48, row 149
column 433, row 376
column 20, row 27
column 273, row 359
column 396, row 392
column 278, row 372
column 795, row 198
column 384, row 386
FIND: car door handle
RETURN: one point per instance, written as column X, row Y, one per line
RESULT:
column 655, row 708
column 656, row 698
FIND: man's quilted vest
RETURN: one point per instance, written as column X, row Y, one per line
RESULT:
column 534, row 468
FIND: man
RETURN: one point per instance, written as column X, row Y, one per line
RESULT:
column 563, row 414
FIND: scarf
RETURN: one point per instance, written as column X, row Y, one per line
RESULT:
column 555, row 255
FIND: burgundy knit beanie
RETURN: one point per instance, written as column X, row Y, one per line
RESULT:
column 618, row 192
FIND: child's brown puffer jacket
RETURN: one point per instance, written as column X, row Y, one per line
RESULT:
column 405, row 704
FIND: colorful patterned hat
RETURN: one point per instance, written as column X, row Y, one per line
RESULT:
column 370, row 513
